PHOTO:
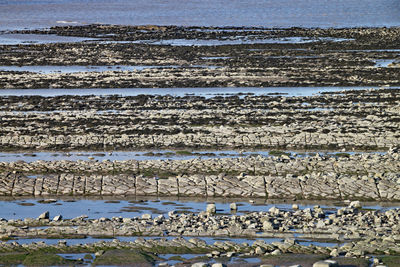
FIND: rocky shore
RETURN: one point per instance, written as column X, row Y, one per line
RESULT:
column 193, row 252
column 357, row 129
column 350, row 120
column 345, row 224
column 207, row 57
column 361, row 233
column 359, row 176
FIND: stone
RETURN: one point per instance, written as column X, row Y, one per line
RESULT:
column 172, row 213
column 44, row 216
column 259, row 250
column 268, row 226
column 276, row 252
column 146, row 216
column 376, row 261
column 334, row 253
column 211, row 208
column 62, row 242
column 215, row 253
column 99, row 253
column 218, row 265
column 230, row 254
column 126, row 220
column 200, row 264
column 58, row 218
column 291, row 241
column 326, row 263
column 274, row 210
column 355, row 204
column 233, row 206
column 295, row 207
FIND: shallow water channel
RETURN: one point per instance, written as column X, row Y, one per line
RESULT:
column 156, row 155
column 206, row 92
column 239, row 40
column 94, row 208
column 48, row 69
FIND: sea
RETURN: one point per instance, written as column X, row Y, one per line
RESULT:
column 32, row 14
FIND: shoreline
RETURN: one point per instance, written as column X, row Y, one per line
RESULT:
column 313, row 61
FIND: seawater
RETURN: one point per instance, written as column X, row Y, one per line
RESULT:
column 19, row 14
column 207, row 92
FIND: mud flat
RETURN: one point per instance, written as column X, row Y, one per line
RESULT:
column 207, row 56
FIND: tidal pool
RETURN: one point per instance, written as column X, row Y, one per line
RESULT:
column 384, row 63
column 94, row 208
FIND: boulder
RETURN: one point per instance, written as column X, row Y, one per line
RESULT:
column 57, row 218
column 267, row 226
column 326, row 263
column 146, row 216
column 200, row 264
column 355, row 204
column 211, row 208
column 44, row 216
column 276, row 252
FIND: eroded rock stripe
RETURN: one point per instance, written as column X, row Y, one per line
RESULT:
column 352, row 120
column 359, row 176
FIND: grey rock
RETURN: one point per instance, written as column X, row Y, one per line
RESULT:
column 44, row 215
column 57, row 218
column 326, row 263
column 200, row 264
column 146, row 216
column 211, row 208
column 355, row 204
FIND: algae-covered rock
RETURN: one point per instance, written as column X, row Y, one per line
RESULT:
column 44, row 259
column 125, row 258
column 12, row 258
column 292, row 259
column 390, row 261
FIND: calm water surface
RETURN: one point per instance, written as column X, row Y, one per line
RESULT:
column 150, row 155
column 136, row 206
column 199, row 91
column 18, row 14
